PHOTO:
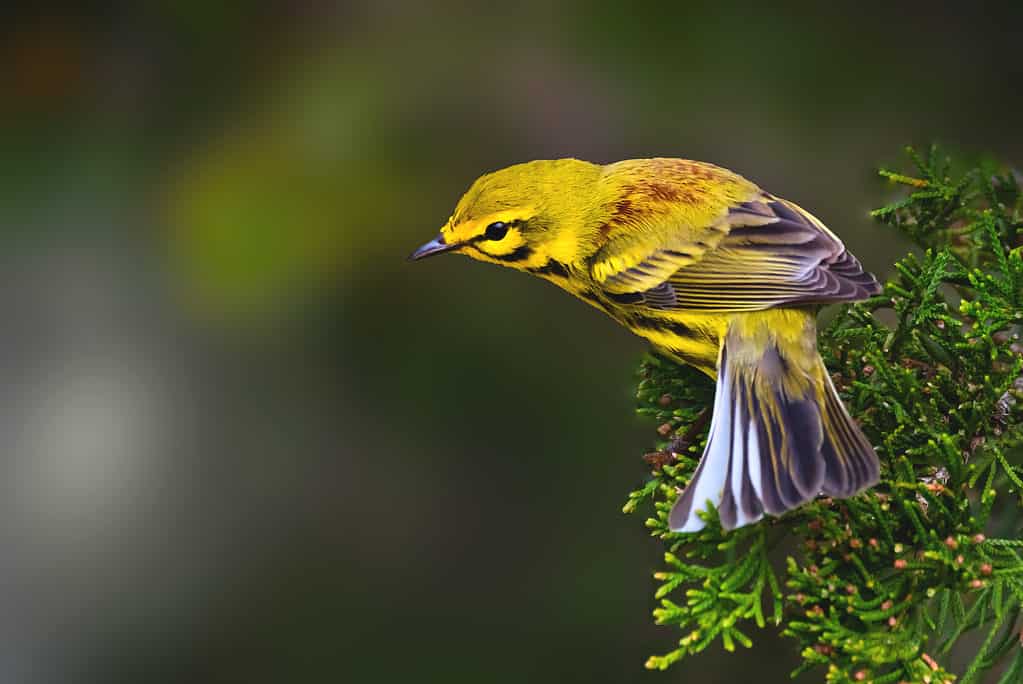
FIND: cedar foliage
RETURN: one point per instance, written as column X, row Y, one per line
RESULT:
column 882, row 587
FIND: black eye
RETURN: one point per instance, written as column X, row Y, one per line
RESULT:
column 496, row 230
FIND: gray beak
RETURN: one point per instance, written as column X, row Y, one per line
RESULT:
column 434, row 246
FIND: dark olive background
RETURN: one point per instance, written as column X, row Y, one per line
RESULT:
column 244, row 440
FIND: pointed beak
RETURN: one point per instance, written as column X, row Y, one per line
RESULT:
column 434, row 246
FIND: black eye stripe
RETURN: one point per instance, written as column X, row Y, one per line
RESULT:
column 487, row 234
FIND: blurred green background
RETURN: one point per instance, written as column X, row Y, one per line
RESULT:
column 244, row 440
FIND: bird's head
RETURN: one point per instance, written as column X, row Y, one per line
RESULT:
column 525, row 216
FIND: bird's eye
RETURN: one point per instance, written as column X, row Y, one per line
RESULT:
column 496, row 230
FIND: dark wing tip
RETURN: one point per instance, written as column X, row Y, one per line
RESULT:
column 848, row 268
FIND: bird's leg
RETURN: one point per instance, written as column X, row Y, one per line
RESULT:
column 680, row 444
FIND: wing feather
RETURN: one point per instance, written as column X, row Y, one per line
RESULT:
column 762, row 253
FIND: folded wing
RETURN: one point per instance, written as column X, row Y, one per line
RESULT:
column 762, row 253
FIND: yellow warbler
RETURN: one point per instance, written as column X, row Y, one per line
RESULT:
column 715, row 273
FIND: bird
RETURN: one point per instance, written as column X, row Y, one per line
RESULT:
column 714, row 272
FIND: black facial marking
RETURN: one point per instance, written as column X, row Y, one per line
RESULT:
column 520, row 254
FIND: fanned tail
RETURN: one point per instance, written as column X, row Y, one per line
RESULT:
column 779, row 434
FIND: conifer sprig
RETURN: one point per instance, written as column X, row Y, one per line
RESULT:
column 887, row 586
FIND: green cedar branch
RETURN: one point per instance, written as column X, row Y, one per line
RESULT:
column 888, row 586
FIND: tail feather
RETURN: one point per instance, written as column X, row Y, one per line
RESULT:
column 709, row 479
column 852, row 463
column 779, row 436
